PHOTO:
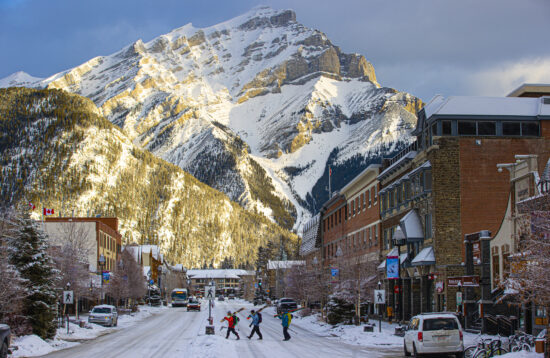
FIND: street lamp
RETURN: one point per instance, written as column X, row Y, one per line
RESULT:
column 101, row 263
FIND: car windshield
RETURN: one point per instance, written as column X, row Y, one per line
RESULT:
column 436, row 324
column 101, row 310
column 288, row 300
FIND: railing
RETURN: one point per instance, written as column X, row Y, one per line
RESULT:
column 402, row 153
column 544, row 187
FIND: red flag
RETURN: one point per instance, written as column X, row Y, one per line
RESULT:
column 32, row 206
column 329, row 171
column 48, row 212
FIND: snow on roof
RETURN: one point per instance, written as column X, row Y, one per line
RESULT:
column 412, row 226
column 153, row 249
column 274, row 265
column 219, row 273
column 425, row 257
column 309, row 235
column 487, row 106
column 134, row 251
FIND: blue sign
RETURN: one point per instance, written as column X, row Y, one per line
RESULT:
column 334, row 272
column 256, row 285
column 106, row 277
column 392, row 268
column 151, row 282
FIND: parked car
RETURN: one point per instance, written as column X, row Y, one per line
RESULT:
column 154, row 300
column 231, row 296
column 221, row 298
column 105, row 315
column 193, row 305
column 286, row 304
column 258, row 300
column 5, row 339
column 434, row 333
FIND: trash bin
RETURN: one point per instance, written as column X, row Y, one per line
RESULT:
column 81, row 324
column 539, row 345
column 368, row 328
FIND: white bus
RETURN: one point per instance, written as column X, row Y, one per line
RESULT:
column 179, row 297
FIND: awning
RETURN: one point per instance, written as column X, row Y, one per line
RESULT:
column 411, row 225
column 425, row 257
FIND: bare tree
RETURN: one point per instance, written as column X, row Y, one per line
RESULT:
column 357, row 281
column 529, row 273
column 71, row 254
column 134, row 276
column 298, row 283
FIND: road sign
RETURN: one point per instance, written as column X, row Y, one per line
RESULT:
column 68, row 297
column 379, row 297
column 210, row 292
column 151, row 282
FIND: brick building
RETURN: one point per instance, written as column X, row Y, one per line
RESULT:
column 444, row 186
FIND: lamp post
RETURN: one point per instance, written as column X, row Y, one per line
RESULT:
column 379, row 312
column 101, row 263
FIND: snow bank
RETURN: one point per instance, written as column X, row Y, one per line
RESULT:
column 33, row 346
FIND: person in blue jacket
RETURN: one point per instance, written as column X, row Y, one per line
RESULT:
column 286, row 318
column 256, row 323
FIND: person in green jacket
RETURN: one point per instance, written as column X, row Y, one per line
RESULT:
column 286, row 318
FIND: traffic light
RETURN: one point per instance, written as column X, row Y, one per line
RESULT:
column 260, row 283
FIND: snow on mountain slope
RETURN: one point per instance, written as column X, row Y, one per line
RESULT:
column 255, row 107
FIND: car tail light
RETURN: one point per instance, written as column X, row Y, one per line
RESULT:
column 461, row 336
column 420, row 336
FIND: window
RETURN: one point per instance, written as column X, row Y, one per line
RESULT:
column 374, row 195
column 434, row 129
column 466, row 128
column 427, row 180
column 437, row 324
column 370, row 203
column 376, row 235
column 530, row 129
column 358, row 205
column 446, row 128
column 386, row 246
column 353, row 208
column 511, row 128
column 486, row 128
column 428, row 226
column 363, row 200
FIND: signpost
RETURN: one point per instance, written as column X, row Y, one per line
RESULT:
column 68, row 299
column 210, row 295
column 379, row 299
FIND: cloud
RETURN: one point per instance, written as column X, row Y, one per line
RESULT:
column 504, row 78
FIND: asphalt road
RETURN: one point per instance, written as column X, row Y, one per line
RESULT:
column 177, row 333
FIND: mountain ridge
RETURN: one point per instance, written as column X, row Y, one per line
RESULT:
column 249, row 97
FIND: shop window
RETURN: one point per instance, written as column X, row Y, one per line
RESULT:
column 496, row 268
column 446, row 128
column 427, row 180
column 511, row 128
column 530, row 129
column 486, row 128
column 466, row 128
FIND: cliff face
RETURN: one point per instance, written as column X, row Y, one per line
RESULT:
column 248, row 98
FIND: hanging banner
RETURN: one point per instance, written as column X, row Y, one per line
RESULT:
column 392, row 268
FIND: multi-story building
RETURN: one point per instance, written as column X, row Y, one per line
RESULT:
column 444, row 187
column 101, row 234
column 226, row 280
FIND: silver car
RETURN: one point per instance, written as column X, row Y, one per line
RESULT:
column 105, row 315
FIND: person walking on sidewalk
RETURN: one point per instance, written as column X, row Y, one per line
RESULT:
column 286, row 317
column 256, row 320
column 230, row 325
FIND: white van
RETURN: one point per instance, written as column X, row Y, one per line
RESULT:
column 434, row 333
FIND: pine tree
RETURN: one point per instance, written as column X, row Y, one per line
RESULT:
column 28, row 246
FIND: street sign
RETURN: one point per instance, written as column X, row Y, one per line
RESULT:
column 210, row 292
column 151, row 282
column 379, row 297
column 459, row 298
column 68, row 297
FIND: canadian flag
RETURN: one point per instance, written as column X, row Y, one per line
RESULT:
column 48, row 212
column 32, row 206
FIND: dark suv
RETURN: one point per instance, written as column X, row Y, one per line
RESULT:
column 5, row 337
column 286, row 304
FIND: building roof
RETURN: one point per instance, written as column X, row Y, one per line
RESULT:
column 465, row 106
column 372, row 168
column 274, row 265
column 531, row 89
column 310, row 235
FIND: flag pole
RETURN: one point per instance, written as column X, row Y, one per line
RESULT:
column 329, row 180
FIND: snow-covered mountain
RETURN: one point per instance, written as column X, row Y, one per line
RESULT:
column 256, row 107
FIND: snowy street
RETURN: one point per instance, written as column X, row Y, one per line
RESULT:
column 177, row 333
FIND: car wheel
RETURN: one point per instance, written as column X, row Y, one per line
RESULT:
column 407, row 353
column 116, row 322
column 459, row 355
column 4, row 350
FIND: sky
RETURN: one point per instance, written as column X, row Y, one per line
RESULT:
column 424, row 47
